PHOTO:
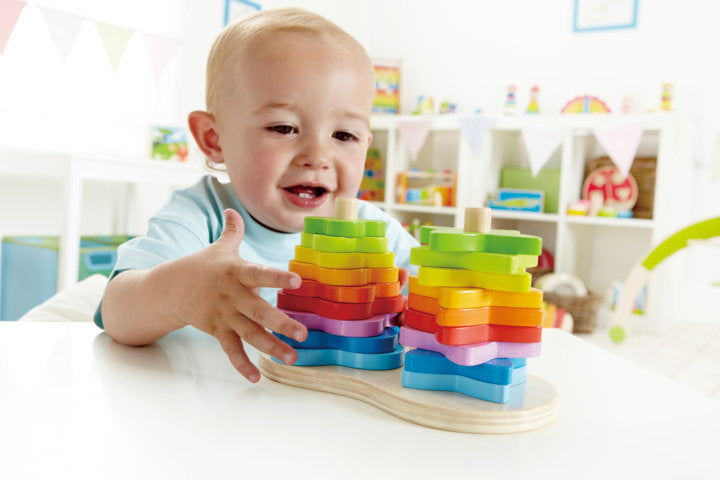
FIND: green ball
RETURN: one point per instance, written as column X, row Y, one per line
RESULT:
column 617, row 333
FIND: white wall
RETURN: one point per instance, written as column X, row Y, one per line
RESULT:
column 464, row 51
column 470, row 51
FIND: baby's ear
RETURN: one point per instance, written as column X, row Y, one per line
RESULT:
column 202, row 126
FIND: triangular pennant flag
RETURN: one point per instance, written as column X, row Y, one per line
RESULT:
column 63, row 28
column 621, row 143
column 540, row 143
column 114, row 40
column 474, row 128
column 159, row 51
column 9, row 13
column 414, row 133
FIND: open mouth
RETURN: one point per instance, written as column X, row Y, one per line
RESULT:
column 306, row 196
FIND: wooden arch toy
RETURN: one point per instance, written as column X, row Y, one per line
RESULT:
column 641, row 271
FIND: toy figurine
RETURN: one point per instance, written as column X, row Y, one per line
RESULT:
column 533, row 105
column 510, row 105
column 667, row 90
column 426, row 105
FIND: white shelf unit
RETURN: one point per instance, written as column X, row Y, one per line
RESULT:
column 74, row 171
column 598, row 250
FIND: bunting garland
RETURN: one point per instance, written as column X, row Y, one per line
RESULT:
column 114, row 39
column 540, row 144
column 160, row 51
column 64, row 28
column 474, row 129
column 414, row 133
column 621, row 143
column 9, row 13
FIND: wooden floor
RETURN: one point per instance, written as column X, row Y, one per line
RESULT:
column 688, row 353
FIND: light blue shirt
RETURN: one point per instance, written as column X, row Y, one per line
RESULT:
column 193, row 219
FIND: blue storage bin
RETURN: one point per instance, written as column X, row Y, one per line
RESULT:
column 29, row 268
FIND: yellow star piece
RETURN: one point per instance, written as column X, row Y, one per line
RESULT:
column 456, row 277
column 458, row 297
column 344, row 260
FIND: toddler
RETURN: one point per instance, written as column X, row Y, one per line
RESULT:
column 289, row 96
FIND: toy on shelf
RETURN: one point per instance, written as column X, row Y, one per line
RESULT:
column 470, row 303
column 557, row 317
column 605, row 187
column 413, row 227
column 627, row 105
column 345, row 286
column 510, row 102
column 666, row 100
column 579, row 207
column 585, row 104
column 169, row 143
column 447, row 107
column 387, row 86
column 570, row 293
column 533, row 106
column 425, row 106
column 640, row 273
column 426, row 187
column 359, row 358
column 372, row 186
column 519, row 200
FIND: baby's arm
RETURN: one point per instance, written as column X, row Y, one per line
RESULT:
column 214, row 290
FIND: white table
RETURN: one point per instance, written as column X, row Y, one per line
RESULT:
column 74, row 404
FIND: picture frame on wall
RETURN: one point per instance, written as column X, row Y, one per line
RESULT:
column 594, row 15
column 235, row 9
column 387, row 86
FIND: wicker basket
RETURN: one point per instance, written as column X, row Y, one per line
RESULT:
column 643, row 169
column 583, row 309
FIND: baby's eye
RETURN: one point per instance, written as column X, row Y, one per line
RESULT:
column 345, row 136
column 283, row 129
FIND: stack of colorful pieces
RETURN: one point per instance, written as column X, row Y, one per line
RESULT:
column 350, row 293
column 472, row 315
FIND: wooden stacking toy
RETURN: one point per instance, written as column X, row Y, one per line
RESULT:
column 472, row 309
column 350, row 294
column 470, row 341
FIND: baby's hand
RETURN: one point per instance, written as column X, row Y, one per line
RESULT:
column 228, row 306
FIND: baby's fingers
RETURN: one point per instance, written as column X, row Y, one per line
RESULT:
column 254, row 275
column 262, row 313
column 233, row 347
column 263, row 340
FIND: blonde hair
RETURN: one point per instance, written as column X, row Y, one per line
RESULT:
column 255, row 29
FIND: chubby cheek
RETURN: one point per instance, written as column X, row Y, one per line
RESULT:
column 350, row 176
column 253, row 178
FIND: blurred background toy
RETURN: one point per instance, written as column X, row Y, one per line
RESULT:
column 533, row 106
column 372, row 186
column 666, row 101
column 510, row 104
column 519, row 200
column 426, row 187
column 585, row 104
column 640, row 273
column 447, row 107
column 605, row 185
column 425, row 106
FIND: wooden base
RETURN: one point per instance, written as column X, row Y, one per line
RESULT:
column 532, row 408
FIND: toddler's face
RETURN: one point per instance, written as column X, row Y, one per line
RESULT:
column 294, row 129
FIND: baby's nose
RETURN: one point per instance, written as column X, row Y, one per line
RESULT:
column 315, row 154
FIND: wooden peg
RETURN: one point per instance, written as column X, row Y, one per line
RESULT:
column 477, row 219
column 346, row 208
